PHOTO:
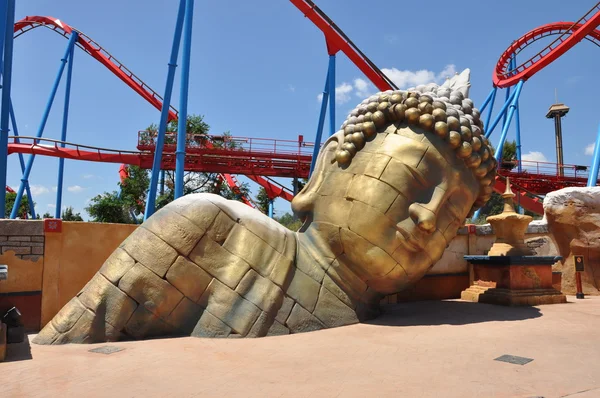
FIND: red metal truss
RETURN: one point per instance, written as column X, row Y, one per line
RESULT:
column 274, row 189
column 338, row 41
column 256, row 162
column 91, row 47
column 570, row 33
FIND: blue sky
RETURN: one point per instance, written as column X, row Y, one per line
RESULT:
column 258, row 67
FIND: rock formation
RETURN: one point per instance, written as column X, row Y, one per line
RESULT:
column 573, row 216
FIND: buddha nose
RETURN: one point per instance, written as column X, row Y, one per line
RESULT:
column 424, row 218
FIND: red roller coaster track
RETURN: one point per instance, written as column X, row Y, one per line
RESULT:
column 570, row 33
column 91, row 47
column 256, row 162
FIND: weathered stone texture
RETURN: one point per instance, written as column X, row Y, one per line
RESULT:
column 277, row 329
column 145, row 287
column 174, row 229
column 304, row 290
column 220, row 263
column 237, row 312
column 116, row 265
column 188, row 278
column 260, row 291
column 22, row 227
column 573, row 216
column 300, row 320
column 210, row 326
column 148, row 249
column 104, row 298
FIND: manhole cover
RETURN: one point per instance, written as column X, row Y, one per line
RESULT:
column 514, row 359
column 107, row 349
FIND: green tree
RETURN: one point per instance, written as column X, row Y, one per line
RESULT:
column 289, row 221
column 10, row 201
column 134, row 189
column 129, row 206
column 109, row 207
column 46, row 215
column 262, row 201
column 70, row 215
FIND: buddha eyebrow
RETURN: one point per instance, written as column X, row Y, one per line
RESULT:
column 430, row 156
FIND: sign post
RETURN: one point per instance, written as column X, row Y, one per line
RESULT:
column 579, row 267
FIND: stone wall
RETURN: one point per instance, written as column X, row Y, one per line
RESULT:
column 22, row 237
column 22, row 249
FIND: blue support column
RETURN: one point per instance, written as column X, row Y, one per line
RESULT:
column 25, row 177
column 63, row 133
column 271, row 208
column 320, row 125
column 509, row 116
column 331, row 75
column 491, row 96
column 8, row 17
column 507, row 99
column 489, row 130
column 13, row 121
column 500, row 147
column 183, row 98
column 593, row 177
column 162, row 127
column 489, row 115
column 161, row 190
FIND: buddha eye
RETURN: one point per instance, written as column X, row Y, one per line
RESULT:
column 418, row 176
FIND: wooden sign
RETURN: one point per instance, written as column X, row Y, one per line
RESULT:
column 579, row 264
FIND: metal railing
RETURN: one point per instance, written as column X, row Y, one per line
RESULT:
column 275, row 147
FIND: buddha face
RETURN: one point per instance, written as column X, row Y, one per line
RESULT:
column 398, row 204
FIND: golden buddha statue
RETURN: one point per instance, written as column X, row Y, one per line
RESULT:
column 388, row 193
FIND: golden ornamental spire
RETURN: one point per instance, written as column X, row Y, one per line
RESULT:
column 508, row 195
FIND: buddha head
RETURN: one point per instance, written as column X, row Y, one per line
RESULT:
column 391, row 188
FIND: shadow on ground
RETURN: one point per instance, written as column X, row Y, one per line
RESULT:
column 423, row 313
column 18, row 351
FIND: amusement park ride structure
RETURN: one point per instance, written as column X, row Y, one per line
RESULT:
column 256, row 158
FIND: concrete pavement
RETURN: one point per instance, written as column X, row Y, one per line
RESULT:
column 422, row 349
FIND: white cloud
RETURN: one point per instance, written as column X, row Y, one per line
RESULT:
column 403, row 78
column 362, row 88
column 291, row 88
column 342, row 93
column 88, row 176
column 407, row 78
column 54, row 188
column 38, row 190
column 589, row 150
column 534, row 156
column 75, row 189
column 51, row 206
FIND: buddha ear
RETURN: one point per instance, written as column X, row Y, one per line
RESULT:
column 304, row 202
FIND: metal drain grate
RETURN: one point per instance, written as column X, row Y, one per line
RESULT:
column 107, row 349
column 514, row 359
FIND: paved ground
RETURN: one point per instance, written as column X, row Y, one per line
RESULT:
column 425, row 349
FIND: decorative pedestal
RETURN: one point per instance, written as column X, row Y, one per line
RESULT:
column 513, row 280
